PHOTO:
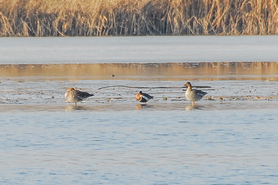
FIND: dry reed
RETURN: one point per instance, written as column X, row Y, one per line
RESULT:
column 135, row 17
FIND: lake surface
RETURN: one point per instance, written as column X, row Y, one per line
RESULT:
column 153, row 145
column 158, row 49
column 229, row 137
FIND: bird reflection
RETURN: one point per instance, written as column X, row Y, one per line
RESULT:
column 193, row 107
column 143, row 106
column 74, row 108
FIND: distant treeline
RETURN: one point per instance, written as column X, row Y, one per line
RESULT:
column 137, row 17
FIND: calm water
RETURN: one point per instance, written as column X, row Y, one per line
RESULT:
column 229, row 137
column 158, row 49
column 158, row 144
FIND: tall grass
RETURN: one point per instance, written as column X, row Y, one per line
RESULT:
column 137, row 17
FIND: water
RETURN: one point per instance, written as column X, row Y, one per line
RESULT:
column 229, row 137
column 149, row 71
column 147, row 146
column 160, row 49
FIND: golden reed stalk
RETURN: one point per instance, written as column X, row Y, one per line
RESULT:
column 137, row 17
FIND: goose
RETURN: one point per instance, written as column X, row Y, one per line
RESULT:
column 73, row 96
column 193, row 94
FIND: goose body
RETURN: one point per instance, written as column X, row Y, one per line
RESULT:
column 143, row 97
column 193, row 94
column 73, row 96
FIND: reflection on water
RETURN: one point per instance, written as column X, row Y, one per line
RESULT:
column 159, row 106
column 143, row 106
column 193, row 107
column 70, row 108
column 159, row 71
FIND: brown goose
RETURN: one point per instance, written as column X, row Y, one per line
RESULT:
column 193, row 94
column 73, row 96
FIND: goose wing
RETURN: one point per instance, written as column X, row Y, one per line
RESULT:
column 82, row 95
column 200, row 93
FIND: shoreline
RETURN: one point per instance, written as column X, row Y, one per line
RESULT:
column 117, row 92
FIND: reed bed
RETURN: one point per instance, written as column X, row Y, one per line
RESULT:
column 137, row 17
